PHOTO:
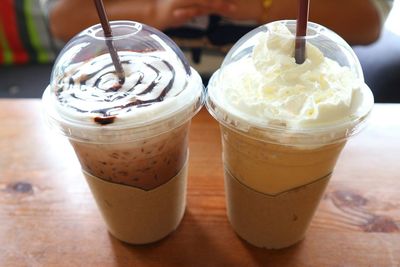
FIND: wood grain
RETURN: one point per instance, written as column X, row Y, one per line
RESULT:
column 48, row 216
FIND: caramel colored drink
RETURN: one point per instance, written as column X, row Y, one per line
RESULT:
column 283, row 183
column 283, row 126
column 130, row 136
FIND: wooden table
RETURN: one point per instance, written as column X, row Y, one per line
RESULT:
column 48, row 216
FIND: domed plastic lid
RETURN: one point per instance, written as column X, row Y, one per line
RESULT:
column 331, row 45
column 259, row 87
column 86, row 98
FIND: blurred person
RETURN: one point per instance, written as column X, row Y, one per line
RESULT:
column 357, row 21
column 31, row 31
column 206, row 29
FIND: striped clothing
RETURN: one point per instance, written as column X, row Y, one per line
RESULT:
column 24, row 32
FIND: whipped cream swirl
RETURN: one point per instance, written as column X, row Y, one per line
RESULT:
column 93, row 88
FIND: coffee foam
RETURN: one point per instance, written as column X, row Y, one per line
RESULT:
column 157, row 92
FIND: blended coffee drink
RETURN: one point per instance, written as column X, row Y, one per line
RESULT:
column 283, row 126
column 130, row 135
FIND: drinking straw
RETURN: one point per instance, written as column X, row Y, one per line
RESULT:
column 105, row 24
column 301, row 31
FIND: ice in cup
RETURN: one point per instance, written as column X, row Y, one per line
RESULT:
column 130, row 137
column 283, row 126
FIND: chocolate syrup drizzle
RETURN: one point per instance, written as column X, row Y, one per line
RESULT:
column 105, row 87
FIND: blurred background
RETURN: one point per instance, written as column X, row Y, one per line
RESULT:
column 380, row 62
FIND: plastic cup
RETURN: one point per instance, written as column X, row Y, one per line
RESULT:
column 132, row 138
column 276, row 172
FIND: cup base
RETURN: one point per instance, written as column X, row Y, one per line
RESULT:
column 137, row 216
column 272, row 221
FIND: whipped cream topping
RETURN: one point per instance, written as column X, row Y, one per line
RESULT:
column 155, row 83
column 269, row 88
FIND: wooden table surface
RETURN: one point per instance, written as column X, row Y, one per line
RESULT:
column 48, row 216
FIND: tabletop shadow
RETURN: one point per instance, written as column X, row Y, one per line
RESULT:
column 189, row 245
column 274, row 257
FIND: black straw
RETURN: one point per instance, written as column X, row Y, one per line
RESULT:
column 105, row 24
column 301, row 31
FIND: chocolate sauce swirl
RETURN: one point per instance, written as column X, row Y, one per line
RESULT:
column 93, row 87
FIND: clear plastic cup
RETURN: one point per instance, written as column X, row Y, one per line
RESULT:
column 275, row 170
column 131, row 138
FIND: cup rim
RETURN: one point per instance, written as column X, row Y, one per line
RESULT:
column 94, row 30
column 129, row 131
column 282, row 134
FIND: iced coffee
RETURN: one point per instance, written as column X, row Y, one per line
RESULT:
column 130, row 136
column 283, row 126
